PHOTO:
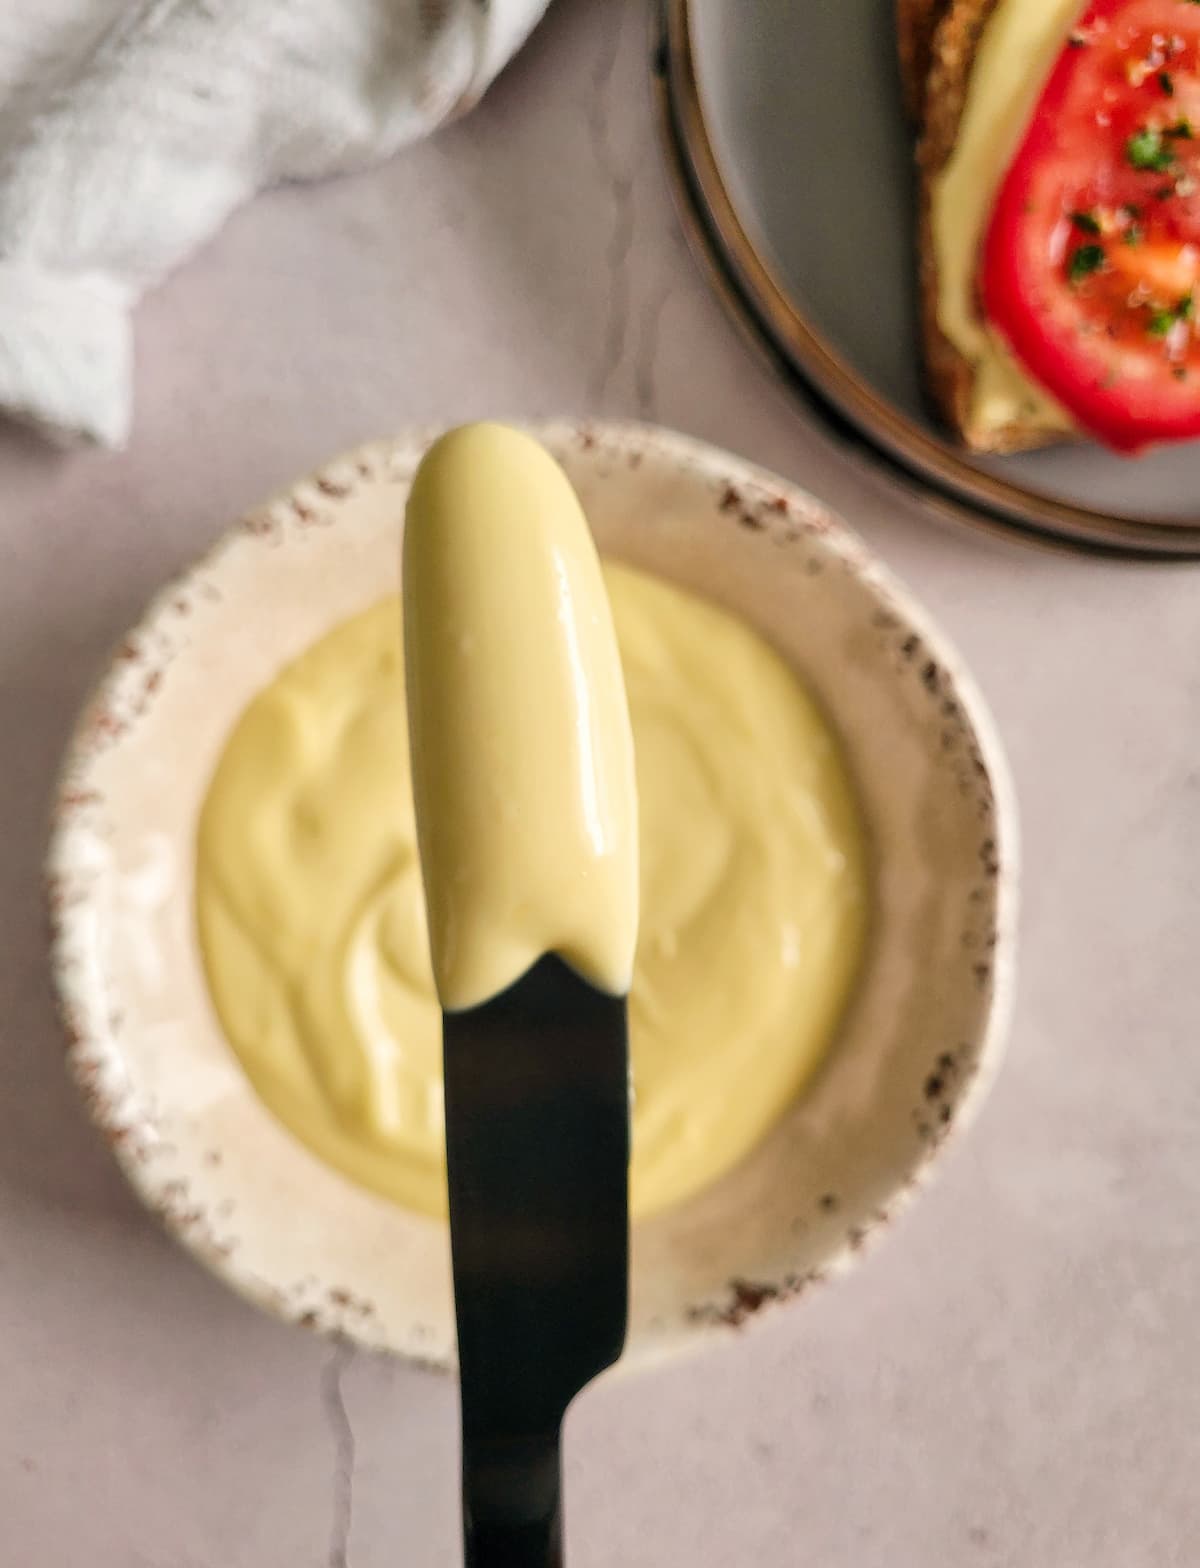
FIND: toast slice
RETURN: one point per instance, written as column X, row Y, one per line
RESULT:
column 940, row 38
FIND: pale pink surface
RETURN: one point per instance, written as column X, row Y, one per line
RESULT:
column 1011, row 1381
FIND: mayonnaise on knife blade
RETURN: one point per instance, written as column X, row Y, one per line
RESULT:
column 522, row 754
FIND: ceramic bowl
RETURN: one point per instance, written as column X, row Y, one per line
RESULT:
column 918, row 1045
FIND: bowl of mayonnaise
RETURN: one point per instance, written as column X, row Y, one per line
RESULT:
column 827, row 878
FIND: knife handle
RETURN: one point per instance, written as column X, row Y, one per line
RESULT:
column 512, row 1510
column 495, row 1543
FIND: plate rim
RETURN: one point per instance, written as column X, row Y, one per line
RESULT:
column 841, row 397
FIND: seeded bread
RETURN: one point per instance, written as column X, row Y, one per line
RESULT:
column 938, row 40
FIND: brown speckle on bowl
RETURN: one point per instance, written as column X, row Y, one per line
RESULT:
column 74, row 799
column 944, row 1077
column 105, row 726
column 942, row 1090
column 349, row 1302
column 758, row 511
column 748, row 1297
column 310, row 516
column 336, row 488
column 261, row 524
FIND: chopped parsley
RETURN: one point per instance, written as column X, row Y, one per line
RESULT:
column 1180, row 131
column 1146, row 148
column 1087, row 221
column 1161, row 321
column 1133, row 235
column 1087, row 259
column 1166, row 83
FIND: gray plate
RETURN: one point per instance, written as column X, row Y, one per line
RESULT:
column 796, row 162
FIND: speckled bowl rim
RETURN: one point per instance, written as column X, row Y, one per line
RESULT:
column 86, row 1025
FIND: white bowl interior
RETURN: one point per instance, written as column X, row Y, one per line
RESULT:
column 925, row 1023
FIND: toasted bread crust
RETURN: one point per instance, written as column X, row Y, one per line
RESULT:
column 949, row 376
column 916, row 21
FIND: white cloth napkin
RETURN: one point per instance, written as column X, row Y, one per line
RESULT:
column 131, row 129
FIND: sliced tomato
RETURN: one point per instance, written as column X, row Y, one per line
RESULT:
column 1090, row 267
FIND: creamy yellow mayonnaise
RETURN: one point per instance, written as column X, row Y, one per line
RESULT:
column 522, row 756
column 1020, row 43
column 753, row 892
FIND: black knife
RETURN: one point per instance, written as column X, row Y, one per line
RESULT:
column 537, row 1139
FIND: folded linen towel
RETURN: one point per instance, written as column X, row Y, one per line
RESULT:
column 131, row 129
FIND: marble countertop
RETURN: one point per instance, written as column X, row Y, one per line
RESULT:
column 1013, row 1379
